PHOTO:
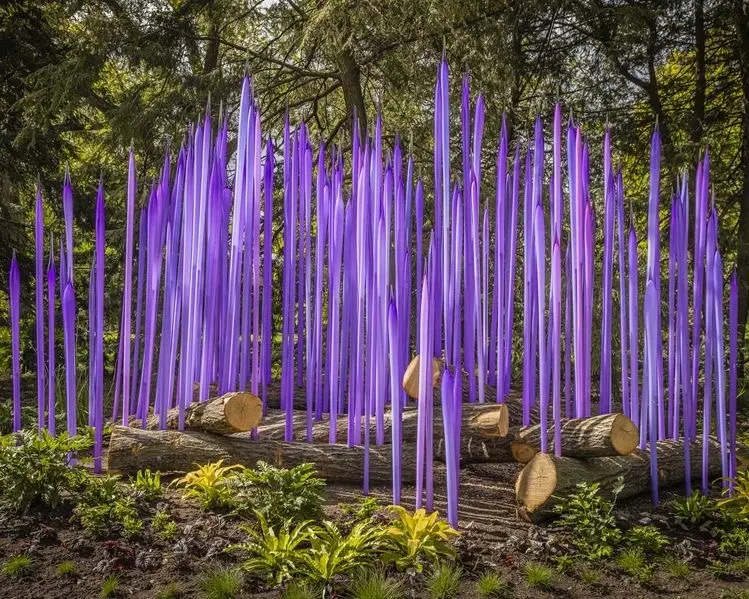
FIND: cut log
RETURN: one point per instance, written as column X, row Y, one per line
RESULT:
column 411, row 376
column 230, row 413
column 479, row 421
column 132, row 449
column 546, row 478
column 596, row 436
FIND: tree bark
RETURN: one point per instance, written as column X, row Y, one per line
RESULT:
column 546, row 479
column 596, row 436
column 486, row 421
column 132, row 449
column 231, row 413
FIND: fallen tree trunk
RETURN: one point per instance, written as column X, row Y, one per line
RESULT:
column 478, row 420
column 132, row 449
column 546, row 478
column 231, row 413
column 596, row 436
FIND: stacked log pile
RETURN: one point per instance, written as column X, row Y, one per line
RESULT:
column 599, row 448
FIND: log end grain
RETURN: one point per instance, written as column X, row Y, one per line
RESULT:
column 411, row 376
column 243, row 411
column 522, row 452
column 536, row 483
column 624, row 435
column 492, row 423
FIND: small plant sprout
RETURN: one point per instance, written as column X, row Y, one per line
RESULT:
column 444, row 581
column 67, row 569
column 147, row 484
column 538, row 576
column 17, row 566
column 220, row 583
column 110, row 587
column 490, row 585
column 171, row 591
column 564, row 563
column 676, row 568
column 633, row 562
column 374, row 584
column 589, row 576
column 648, row 538
column 163, row 525
column 209, row 484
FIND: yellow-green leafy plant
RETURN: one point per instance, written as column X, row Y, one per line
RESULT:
column 276, row 555
column 334, row 553
column 147, row 484
column 415, row 539
column 210, row 484
column 737, row 496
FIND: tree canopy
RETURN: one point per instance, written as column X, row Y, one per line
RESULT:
column 82, row 80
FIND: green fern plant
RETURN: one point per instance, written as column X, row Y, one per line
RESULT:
column 415, row 539
column 648, row 538
column 334, row 553
column 210, row 484
column 276, row 555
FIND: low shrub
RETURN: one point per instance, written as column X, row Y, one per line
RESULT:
column 280, row 494
column 333, row 553
column 35, row 469
column 589, row 518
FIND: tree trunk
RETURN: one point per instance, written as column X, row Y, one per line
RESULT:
column 596, row 436
column 546, row 478
column 132, row 449
column 230, row 413
column 350, row 75
column 486, row 421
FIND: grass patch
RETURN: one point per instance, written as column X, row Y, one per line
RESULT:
column 676, row 569
column 444, row 582
column 110, row 587
column 538, row 576
column 220, row 583
column 301, row 590
column 632, row 561
column 171, row 591
column 734, row 594
column 17, row 566
column 375, row 584
column 490, row 585
column 67, row 569
column 590, row 576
